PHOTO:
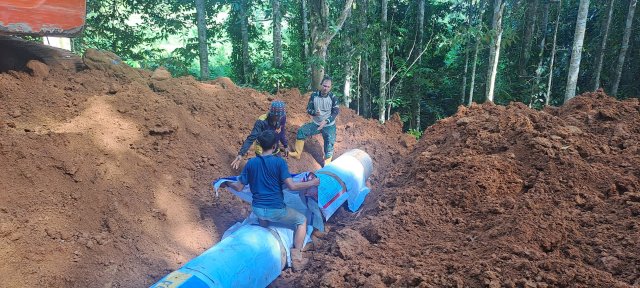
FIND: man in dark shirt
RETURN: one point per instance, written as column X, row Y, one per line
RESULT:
column 323, row 108
column 265, row 175
column 275, row 120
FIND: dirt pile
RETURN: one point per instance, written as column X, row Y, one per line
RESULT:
column 105, row 182
column 502, row 197
column 105, row 177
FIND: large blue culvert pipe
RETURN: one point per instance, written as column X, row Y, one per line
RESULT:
column 252, row 256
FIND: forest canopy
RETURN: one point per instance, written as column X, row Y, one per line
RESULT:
column 421, row 59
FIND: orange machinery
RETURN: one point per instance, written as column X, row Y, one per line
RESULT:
column 64, row 18
column 42, row 17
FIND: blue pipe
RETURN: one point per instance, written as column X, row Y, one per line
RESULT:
column 252, row 256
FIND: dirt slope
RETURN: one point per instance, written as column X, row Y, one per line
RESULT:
column 105, row 174
column 502, row 197
column 105, row 182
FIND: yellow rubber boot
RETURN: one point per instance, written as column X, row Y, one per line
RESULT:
column 327, row 161
column 299, row 146
column 258, row 149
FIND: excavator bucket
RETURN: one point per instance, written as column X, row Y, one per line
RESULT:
column 42, row 17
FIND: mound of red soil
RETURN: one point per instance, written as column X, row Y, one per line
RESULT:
column 502, row 197
column 105, row 175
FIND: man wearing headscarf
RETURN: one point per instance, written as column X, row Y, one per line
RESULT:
column 275, row 120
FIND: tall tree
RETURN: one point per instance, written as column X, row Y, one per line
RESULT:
column 475, row 52
column 603, row 46
column 494, row 52
column 547, row 97
column 305, row 33
column 420, row 24
column 348, row 76
column 576, row 52
column 322, row 33
column 348, row 68
column 365, row 84
column 277, row 34
column 202, row 39
column 244, row 31
column 532, row 19
column 365, row 92
column 543, row 38
column 418, row 94
column 624, row 47
column 467, row 42
column 358, row 86
column 383, row 61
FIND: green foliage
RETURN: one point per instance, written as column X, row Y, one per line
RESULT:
column 273, row 79
column 415, row 133
column 137, row 31
column 114, row 26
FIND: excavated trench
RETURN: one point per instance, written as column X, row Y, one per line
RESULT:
column 106, row 172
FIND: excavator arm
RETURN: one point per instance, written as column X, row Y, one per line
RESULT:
column 64, row 18
column 42, row 17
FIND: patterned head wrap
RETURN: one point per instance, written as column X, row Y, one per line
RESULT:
column 277, row 108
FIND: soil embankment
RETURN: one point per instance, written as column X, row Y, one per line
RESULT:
column 105, row 182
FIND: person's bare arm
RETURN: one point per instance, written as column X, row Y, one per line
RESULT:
column 235, row 185
column 297, row 186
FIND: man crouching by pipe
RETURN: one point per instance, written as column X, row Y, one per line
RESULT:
column 265, row 175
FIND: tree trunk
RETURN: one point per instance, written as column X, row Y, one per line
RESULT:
column 494, row 54
column 358, row 86
column 463, row 94
column 366, row 95
column 547, row 97
column 543, row 38
column 420, row 25
column 419, row 112
column 473, row 72
column 305, row 29
column 348, row 74
column 322, row 34
column 389, row 95
column 532, row 18
column 383, row 62
column 418, row 96
column 576, row 53
column 305, row 33
column 202, row 39
column 363, row 67
column 603, row 47
column 244, row 31
column 475, row 53
column 277, row 34
column 625, row 47
column 348, row 69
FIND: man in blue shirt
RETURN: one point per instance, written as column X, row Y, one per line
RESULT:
column 265, row 175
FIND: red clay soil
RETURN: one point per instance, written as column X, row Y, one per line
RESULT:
column 499, row 196
column 105, row 182
column 105, row 174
